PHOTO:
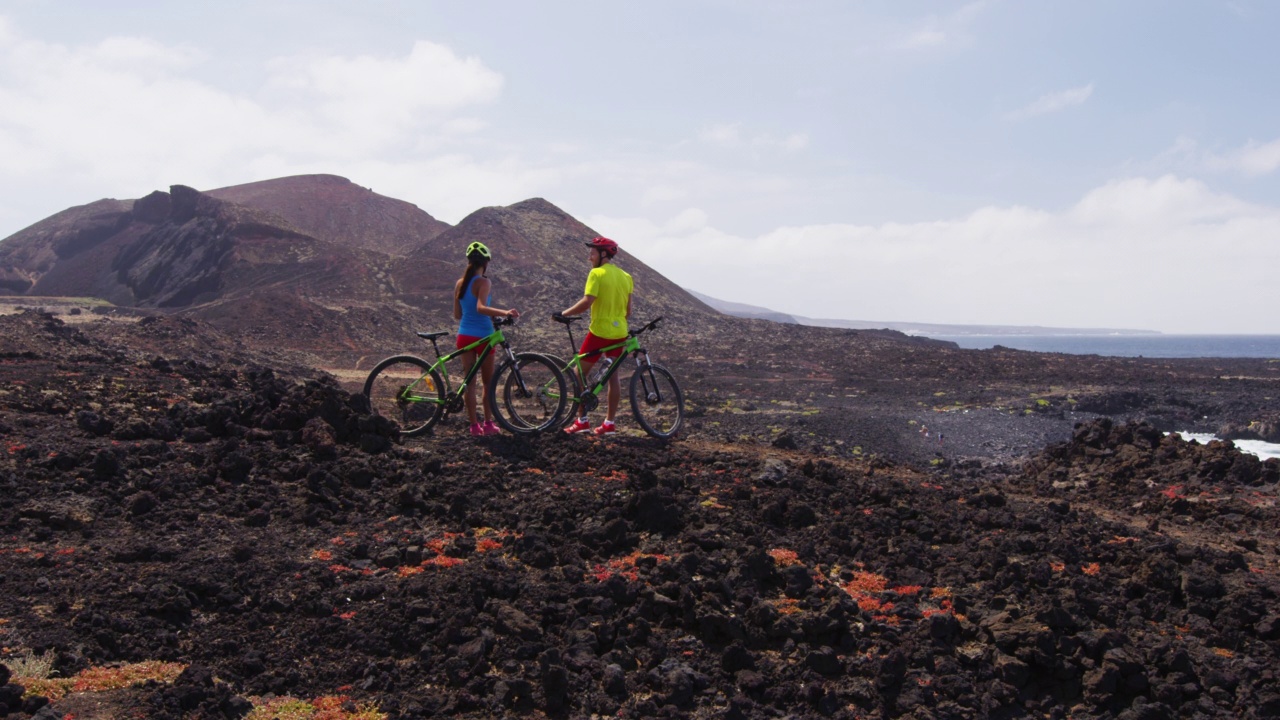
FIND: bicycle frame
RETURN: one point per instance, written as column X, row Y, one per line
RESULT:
column 630, row 346
column 487, row 344
column 654, row 392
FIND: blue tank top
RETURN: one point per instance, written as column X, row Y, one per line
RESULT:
column 473, row 323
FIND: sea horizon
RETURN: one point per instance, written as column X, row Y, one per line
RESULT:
column 1151, row 346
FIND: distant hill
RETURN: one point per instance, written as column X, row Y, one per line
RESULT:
column 540, row 265
column 312, row 262
column 180, row 249
column 743, row 310
column 910, row 328
column 334, row 209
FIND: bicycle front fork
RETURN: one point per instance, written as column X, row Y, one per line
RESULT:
column 648, row 381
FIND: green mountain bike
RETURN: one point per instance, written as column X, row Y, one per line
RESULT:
column 656, row 400
column 417, row 394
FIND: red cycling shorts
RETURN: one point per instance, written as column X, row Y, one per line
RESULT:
column 591, row 343
column 465, row 340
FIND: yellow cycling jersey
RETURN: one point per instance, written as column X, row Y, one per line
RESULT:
column 611, row 287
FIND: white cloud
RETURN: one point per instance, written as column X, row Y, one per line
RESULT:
column 662, row 194
column 938, row 31
column 727, row 135
column 1165, row 253
column 929, row 37
column 1253, row 159
column 730, row 136
column 387, row 95
column 1052, row 102
column 795, row 141
column 129, row 113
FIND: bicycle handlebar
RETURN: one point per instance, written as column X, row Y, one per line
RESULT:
column 568, row 320
column 651, row 325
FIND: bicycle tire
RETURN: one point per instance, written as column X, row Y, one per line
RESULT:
column 573, row 381
column 656, row 401
column 537, row 406
column 416, row 410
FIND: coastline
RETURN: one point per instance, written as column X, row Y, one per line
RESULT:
column 1151, row 346
column 1263, row 450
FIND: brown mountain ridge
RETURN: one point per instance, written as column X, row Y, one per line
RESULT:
column 313, row 263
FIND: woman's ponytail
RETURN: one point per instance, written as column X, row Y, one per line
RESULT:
column 476, row 263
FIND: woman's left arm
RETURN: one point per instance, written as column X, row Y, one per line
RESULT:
column 481, row 289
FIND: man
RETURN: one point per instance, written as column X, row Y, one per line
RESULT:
column 608, row 296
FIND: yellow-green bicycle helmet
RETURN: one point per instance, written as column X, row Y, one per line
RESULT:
column 479, row 248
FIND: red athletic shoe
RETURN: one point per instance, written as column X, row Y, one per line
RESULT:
column 606, row 428
column 578, row 426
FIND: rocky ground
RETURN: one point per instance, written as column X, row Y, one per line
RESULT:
column 811, row 548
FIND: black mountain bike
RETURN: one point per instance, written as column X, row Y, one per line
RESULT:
column 417, row 394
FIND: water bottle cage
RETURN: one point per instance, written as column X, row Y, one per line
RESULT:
column 597, row 372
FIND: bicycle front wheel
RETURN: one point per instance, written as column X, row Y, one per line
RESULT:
column 528, row 395
column 573, row 383
column 406, row 390
column 656, row 401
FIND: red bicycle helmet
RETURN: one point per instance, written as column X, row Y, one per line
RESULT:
column 604, row 245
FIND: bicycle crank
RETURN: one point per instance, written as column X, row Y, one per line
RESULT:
column 453, row 402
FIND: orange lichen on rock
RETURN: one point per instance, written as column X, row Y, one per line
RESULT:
column 98, row 679
column 784, row 557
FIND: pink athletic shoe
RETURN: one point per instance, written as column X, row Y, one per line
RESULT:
column 490, row 428
column 477, row 429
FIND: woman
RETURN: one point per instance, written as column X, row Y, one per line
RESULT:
column 471, row 307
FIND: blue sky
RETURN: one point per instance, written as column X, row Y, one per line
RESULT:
column 1077, row 164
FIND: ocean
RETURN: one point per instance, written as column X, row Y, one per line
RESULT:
column 1263, row 450
column 1152, row 346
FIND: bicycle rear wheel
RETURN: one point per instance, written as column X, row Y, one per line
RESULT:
column 529, row 395
column 406, row 390
column 656, row 401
